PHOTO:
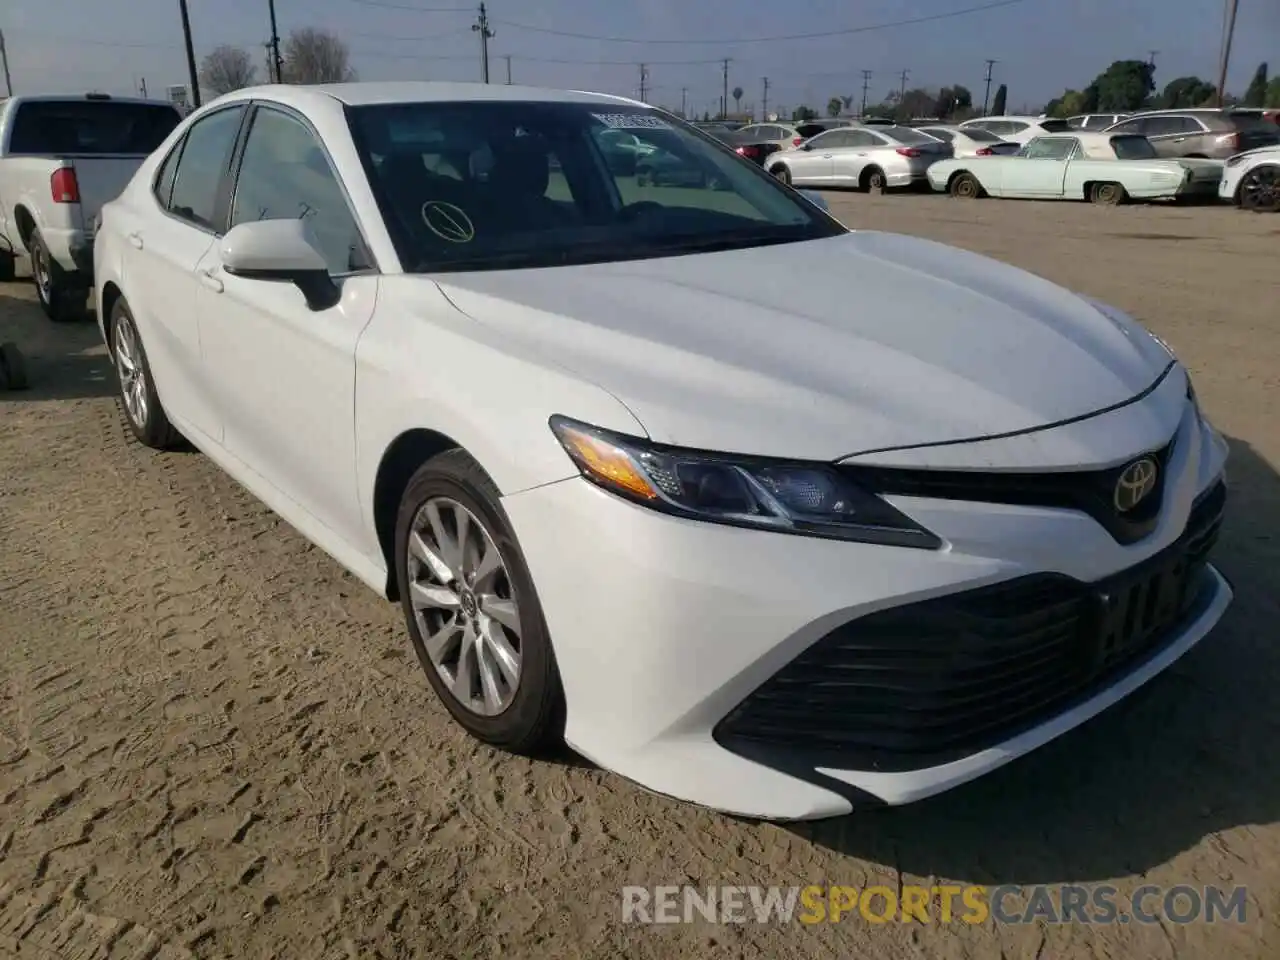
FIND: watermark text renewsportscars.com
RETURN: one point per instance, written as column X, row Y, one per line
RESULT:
column 945, row 903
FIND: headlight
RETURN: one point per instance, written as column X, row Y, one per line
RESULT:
column 810, row 499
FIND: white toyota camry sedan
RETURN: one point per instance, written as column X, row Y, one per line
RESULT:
column 778, row 555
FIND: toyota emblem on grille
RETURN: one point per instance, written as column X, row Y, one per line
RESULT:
column 1136, row 482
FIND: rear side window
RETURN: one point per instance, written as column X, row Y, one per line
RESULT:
column 1249, row 122
column 203, row 164
column 165, row 176
column 947, row 136
column 980, row 136
column 90, row 127
column 908, row 135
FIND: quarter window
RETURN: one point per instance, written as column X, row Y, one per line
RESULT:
column 284, row 175
column 202, row 165
column 168, row 170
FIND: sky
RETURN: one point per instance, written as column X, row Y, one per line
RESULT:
column 1041, row 46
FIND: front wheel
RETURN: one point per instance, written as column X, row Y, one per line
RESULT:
column 965, row 186
column 59, row 300
column 471, row 608
column 1260, row 190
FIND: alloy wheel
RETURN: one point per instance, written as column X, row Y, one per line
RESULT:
column 464, row 605
column 133, row 378
column 1261, row 189
column 42, row 273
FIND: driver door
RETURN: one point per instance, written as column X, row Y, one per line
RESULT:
column 1040, row 172
column 287, row 372
column 813, row 160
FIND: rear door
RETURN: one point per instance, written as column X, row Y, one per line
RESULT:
column 1174, row 135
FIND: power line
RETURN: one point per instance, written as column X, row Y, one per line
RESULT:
column 994, row 5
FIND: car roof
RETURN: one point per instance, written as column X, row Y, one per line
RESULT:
column 1008, row 116
column 414, row 91
column 82, row 97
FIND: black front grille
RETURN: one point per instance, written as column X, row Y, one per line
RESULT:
column 916, row 686
column 1089, row 491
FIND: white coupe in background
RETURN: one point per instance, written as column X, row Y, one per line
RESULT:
column 1100, row 167
column 1251, row 180
column 771, row 554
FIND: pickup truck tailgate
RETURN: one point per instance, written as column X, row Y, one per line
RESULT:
column 100, row 180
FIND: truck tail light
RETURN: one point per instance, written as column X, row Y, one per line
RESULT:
column 64, row 186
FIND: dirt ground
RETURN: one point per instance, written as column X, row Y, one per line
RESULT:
column 215, row 743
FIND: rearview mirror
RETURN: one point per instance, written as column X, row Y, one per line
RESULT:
column 280, row 250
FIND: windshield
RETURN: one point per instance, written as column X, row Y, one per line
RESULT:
column 90, row 127
column 1133, row 148
column 500, row 184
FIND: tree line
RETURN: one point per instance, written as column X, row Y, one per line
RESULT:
column 309, row 55
column 1124, row 87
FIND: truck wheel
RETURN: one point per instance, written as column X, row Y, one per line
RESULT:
column 13, row 370
column 1108, row 194
column 60, row 300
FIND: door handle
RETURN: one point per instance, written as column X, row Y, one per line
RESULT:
column 136, row 240
column 827, row 156
column 209, row 280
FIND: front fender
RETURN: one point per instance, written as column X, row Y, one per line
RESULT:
column 423, row 364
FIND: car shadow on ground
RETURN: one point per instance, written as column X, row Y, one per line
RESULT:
column 1185, row 758
column 63, row 361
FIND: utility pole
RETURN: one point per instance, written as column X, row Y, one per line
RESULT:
column 764, row 103
column 902, row 93
column 1229, row 29
column 4, row 59
column 191, row 55
column 644, row 76
column 143, row 88
column 866, row 82
column 1151, row 59
column 481, row 26
column 275, row 43
column 986, row 97
column 684, row 103
column 724, row 97
column 508, row 59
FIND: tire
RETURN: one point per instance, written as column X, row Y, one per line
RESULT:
column 782, row 173
column 60, row 301
column 965, row 186
column 8, row 266
column 13, row 369
column 1108, row 194
column 526, row 711
column 139, row 402
column 873, row 180
column 1260, row 190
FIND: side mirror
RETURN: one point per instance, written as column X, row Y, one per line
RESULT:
column 280, row 250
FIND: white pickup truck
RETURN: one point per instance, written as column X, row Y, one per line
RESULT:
column 61, row 159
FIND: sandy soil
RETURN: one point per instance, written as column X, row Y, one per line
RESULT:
column 214, row 743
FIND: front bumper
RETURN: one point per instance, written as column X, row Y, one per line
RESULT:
column 663, row 628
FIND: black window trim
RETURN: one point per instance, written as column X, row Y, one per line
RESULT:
column 181, row 147
column 231, row 182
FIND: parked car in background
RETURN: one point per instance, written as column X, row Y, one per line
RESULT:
column 623, row 150
column 753, row 509
column 971, row 142
column 757, row 151
column 1207, row 133
column 784, row 136
column 867, row 158
column 1103, row 168
column 1095, row 122
column 61, row 158
column 1252, row 180
column 811, row 128
column 1019, row 130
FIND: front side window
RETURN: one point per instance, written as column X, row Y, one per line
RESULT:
column 1050, row 148
column 546, row 194
column 203, row 164
column 284, row 175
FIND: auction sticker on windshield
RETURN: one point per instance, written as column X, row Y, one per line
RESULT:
column 632, row 121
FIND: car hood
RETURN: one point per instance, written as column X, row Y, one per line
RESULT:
column 822, row 349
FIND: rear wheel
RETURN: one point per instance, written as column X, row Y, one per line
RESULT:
column 59, row 299
column 471, row 608
column 873, row 180
column 1108, row 194
column 138, row 399
column 1260, row 190
column 965, row 186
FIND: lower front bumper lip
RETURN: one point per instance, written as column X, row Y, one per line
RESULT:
column 901, row 788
